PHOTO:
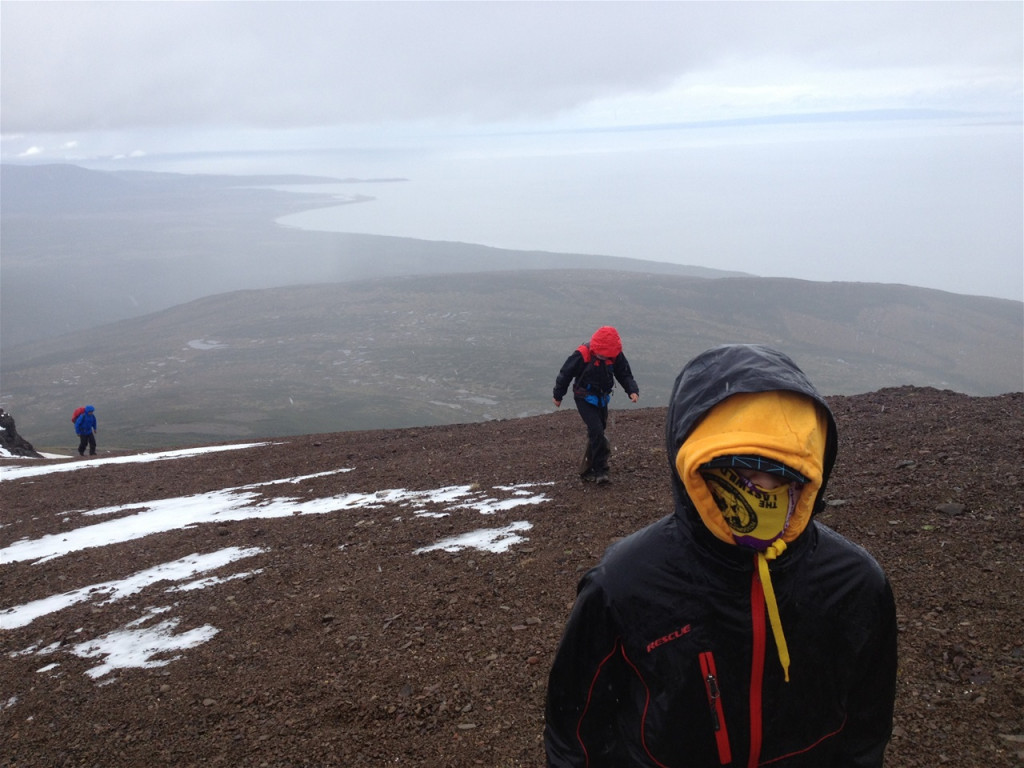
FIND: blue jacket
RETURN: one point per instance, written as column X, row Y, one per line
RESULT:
column 86, row 423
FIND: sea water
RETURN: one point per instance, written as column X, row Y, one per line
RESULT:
column 927, row 203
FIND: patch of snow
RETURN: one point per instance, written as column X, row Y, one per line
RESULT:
column 486, row 539
column 139, row 647
column 489, row 506
column 241, row 503
column 177, row 570
column 206, row 344
column 141, row 643
column 520, row 489
column 51, row 648
column 5, row 454
column 213, row 580
column 13, row 473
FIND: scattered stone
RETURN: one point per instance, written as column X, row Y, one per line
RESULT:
column 307, row 673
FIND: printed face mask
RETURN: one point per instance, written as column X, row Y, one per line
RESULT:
column 757, row 516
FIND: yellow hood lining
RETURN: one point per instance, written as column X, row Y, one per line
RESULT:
column 783, row 426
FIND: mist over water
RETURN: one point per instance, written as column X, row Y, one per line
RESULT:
column 890, row 202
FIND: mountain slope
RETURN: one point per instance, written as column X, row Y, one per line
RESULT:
column 334, row 631
column 459, row 348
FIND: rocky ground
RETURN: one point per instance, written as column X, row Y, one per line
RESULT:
column 345, row 649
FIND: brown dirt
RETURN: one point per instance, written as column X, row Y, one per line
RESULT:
column 347, row 649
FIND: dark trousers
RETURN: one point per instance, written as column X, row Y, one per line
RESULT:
column 596, row 419
column 87, row 440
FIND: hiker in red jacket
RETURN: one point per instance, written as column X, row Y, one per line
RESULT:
column 593, row 370
column 737, row 630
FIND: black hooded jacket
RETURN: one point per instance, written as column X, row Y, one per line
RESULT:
column 668, row 658
column 590, row 376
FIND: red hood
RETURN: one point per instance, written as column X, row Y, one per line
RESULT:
column 606, row 342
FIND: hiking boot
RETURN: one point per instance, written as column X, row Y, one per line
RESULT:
column 601, row 478
column 587, row 462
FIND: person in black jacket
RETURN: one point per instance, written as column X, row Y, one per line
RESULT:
column 737, row 630
column 593, row 370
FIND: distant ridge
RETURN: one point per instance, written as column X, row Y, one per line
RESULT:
column 82, row 248
column 412, row 351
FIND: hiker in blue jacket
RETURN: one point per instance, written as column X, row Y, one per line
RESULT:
column 85, row 428
column 593, row 370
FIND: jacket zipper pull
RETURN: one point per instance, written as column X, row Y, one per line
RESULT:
column 707, row 668
column 713, row 696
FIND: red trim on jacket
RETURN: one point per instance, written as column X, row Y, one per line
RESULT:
column 809, row 747
column 590, row 695
column 647, row 704
column 756, row 667
column 618, row 648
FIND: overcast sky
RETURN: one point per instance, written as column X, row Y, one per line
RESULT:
column 927, row 95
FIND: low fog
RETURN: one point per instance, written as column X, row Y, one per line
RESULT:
column 867, row 142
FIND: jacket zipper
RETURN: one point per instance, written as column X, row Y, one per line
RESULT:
column 710, row 674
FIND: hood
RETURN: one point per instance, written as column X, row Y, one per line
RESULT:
column 89, row 409
column 716, row 409
column 606, row 342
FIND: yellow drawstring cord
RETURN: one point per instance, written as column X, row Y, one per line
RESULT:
column 777, row 548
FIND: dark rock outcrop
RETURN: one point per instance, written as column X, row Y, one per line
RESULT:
column 11, row 441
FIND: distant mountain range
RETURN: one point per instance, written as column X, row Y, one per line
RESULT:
column 398, row 352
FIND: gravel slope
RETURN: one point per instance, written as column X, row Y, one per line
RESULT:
column 336, row 645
